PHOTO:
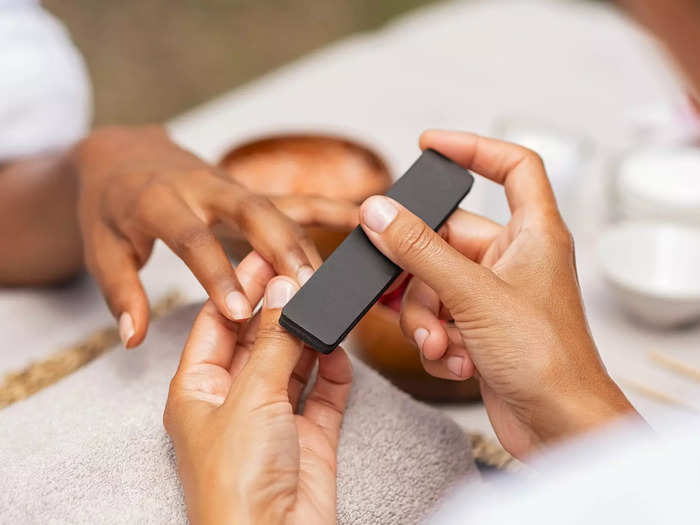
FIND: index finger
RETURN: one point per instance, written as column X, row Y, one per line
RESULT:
column 520, row 170
column 213, row 337
column 272, row 234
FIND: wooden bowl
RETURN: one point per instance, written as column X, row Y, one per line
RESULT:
column 339, row 168
column 307, row 164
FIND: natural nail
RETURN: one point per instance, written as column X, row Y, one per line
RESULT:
column 304, row 274
column 278, row 293
column 126, row 328
column 378, row 213
column 454, row 365
column 420, row 335
column 238, row 305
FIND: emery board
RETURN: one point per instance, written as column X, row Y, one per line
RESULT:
column 356, row 274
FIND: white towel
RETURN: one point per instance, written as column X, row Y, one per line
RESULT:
column 92, row 448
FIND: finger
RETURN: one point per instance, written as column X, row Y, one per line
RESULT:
column 470, row 234
column 455, row 365
column 327, row 400
column 246, row 340
column 310, row 210
column 415, row 247
column 272, row 234
column 214, row 337
column 254, row 273
column 420, row 321
column 113, row 264
column 275, row 353
column 212, row 340
column 300, row 376
column 518, row 169
column 192, row 240
column 201, row 382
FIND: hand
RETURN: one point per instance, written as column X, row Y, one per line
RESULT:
column 244, row 454
column 136, row 186
column 512, row 297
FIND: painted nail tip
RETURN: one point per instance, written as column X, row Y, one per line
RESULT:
column 455, row 365
column 378, row 213
column 279, row 292
column 304, row 274
column 126, row 328
column 238, row 306
column 420, row 335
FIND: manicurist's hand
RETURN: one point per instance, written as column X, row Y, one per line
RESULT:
column 510, row 295
column 245, row 453
column 136, row 186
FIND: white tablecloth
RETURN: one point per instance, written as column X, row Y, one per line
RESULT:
column 464, row 65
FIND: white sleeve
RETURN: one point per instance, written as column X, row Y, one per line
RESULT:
column 45, row 94
column 623, row 475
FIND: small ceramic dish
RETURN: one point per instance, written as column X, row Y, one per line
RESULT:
column 660, row 184
column 653, row 269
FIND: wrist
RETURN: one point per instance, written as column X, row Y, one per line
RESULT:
column 216, row 503
column 581, row 410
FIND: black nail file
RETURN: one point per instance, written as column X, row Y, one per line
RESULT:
column 356, row 274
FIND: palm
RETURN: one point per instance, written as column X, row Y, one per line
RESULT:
column 317, row 472
column 298, row 456
column 499, row 252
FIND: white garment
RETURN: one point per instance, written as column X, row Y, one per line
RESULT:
column 624, row 474
column 45, row 94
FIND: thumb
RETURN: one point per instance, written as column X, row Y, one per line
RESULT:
column 275, row 352
column 414, row 246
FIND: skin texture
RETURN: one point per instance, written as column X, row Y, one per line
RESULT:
column 511, row 295
column 245, row 453
column 516, row 320
column 137, row 186
column 38, row 222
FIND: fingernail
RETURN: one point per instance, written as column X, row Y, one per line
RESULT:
column 304, row 274
column 126, row 328
column 238, row 306
column 454, row 365
column 278, row 293
column 378, row 212
column 420, row 335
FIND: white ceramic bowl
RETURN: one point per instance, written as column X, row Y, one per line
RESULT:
column 661, row 184
column 654, row 270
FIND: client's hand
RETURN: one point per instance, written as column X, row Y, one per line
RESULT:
column 136, row 186
column 510, row 295
column 244, row 454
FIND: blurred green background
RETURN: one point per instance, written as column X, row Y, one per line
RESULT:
column 150, row 60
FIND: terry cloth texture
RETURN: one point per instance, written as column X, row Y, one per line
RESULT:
column 92, row 448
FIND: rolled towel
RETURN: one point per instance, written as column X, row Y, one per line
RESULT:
column 92, row 448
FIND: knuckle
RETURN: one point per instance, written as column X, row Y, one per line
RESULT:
column 253, row 209
column 271, row 334
column 156, row 189
column 414, row 240
column 559, row 237
column 255, row 204
column 532, row 158
column 154, row 194
column 193, row 239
